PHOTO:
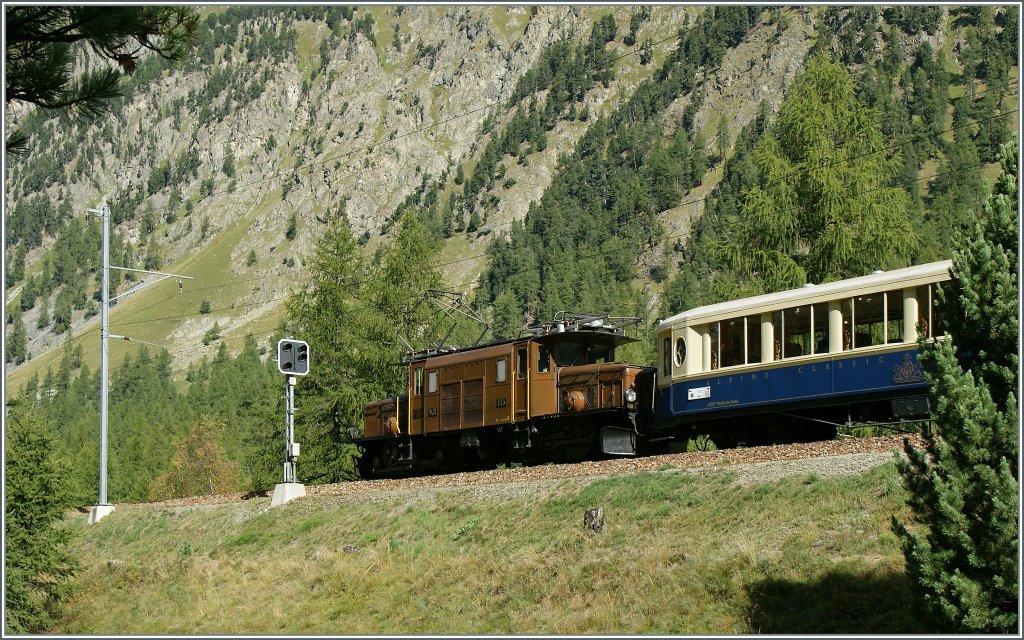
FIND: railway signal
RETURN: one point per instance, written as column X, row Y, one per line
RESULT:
column 292, row 360
column 292, row 357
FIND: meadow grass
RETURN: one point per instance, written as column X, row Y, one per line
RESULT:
column 680, row 554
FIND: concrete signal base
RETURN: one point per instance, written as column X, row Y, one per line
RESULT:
column 99, row 512
column 286, row 492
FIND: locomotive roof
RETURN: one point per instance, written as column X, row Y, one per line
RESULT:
column 811, row 293
column 605, row 334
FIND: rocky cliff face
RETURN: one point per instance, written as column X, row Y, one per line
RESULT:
column 343, row 121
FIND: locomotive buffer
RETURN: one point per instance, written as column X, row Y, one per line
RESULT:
column 292, row 360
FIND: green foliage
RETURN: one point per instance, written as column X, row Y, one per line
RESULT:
column 228, row 166
column 580, row 245
column 825, row 207
column 200, row 465
column 37, row 563
column 212, row 334
column 348, row 364
column 964, row 486
column 14, row 351
column 355, row 365
column 292, row 227
column 204, row 307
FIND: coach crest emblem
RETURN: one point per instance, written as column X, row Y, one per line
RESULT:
column 908, row 371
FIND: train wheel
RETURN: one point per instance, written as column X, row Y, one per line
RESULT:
column 367, row 464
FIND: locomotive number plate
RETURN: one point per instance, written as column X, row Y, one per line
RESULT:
column 501, row 402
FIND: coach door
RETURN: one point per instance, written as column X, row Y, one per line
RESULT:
column 521, row 382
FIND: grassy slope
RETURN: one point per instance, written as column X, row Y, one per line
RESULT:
column 680, row 554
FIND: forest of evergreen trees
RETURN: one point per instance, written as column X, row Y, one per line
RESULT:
column 911, row 164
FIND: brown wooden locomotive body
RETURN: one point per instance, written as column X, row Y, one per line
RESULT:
column 556, row 394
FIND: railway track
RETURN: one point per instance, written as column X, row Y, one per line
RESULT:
column 815, row 453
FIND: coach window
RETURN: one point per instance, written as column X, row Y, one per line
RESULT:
column 848, row 319
column 819, row 322
column 796, row 327
column 716, row 356
column 732, row 342
column 418, row 381
column 521, row 363
column 666, row 357
column 499, row 375
column 924, row 311
column 938, row 323
column 753, row 338
column 680, row 351
column 869, row 320
column 543, row 359
column 894, row 316
column 777, row 330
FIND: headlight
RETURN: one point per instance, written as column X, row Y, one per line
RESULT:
column 630, row 395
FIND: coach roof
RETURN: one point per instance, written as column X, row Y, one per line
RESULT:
column 809, row 294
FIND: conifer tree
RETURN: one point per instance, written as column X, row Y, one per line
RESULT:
column 964, row 485
column 16, row 340
column 827, row 206
column 37, row 561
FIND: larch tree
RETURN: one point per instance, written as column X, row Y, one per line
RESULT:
column 964, row 486
column 350, row 313
column 200, row 465
column 827, row 205
column 331, row 314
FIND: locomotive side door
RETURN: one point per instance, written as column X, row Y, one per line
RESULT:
column 416, row 399
column 543, row 398
column 521, row 382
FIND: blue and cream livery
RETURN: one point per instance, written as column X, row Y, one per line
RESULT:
column 842, row 343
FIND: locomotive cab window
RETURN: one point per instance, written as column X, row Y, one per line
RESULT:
column 598, row 354
column 543, row 359
column 418, row 381
column 521, row 363
column 499, row 374
column 432, row 381
column 569, row 354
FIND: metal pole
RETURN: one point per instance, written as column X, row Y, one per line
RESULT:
column 104, row 339
column 289, row 426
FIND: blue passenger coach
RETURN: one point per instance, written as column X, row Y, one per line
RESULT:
column 845, row 348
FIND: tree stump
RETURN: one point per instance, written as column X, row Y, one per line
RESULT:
column 593, row 519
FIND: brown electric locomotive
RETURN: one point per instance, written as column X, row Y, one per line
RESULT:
column 554, row 394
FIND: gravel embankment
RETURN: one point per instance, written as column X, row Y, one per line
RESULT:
column 751, row 465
